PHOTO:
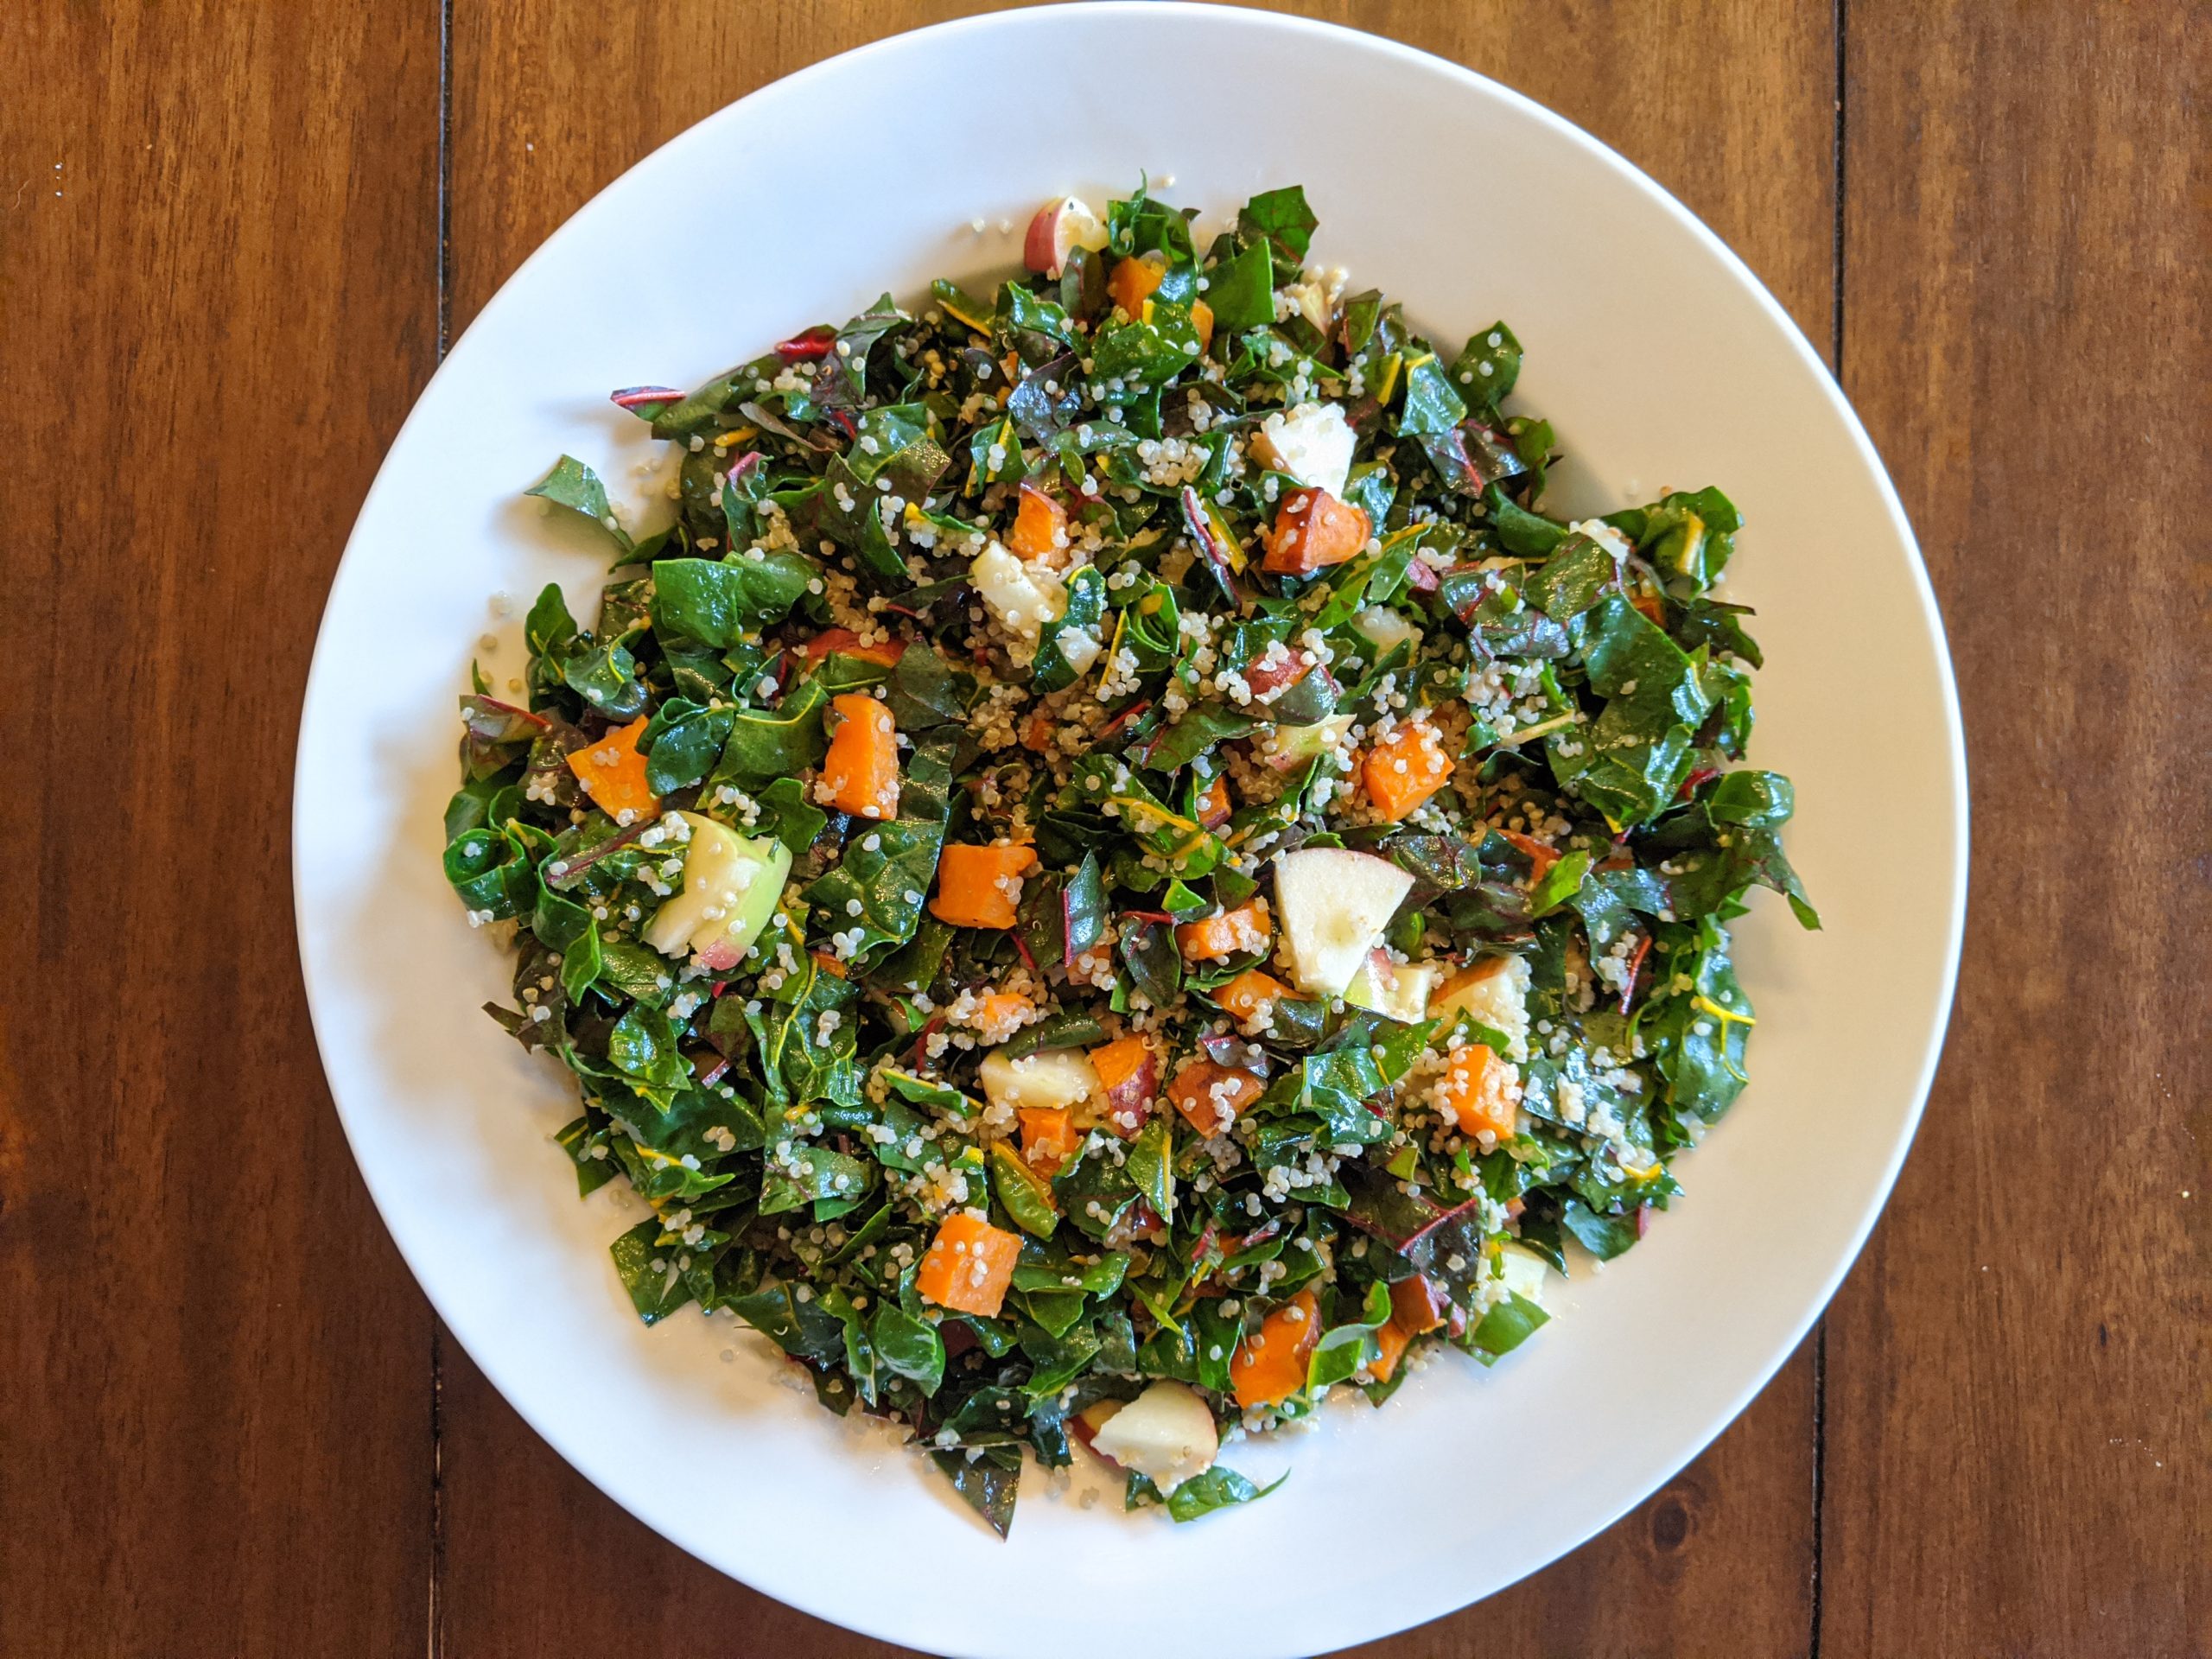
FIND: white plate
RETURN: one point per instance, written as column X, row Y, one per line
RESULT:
column 1661, row 360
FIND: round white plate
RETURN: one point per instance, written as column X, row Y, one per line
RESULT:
column 1661, row 360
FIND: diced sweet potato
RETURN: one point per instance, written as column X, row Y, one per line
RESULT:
column 1210, row 1094
column 1040, row 525
column 1214, row 805
column 860, row 774
column 883, row 652
column 1048, row 1138
column 613, row 773
column 980, row 886
column 1202, row 320
column 1390, row 1347
column 1415, row 1306
column 1312, row 530
column 1233, row 933
column 1476, row 1089
column 968, row 1266
column 1405, row 769
column 1132, row 281
column 1249, row 991
column 997, row 1012
column 1269, row 1365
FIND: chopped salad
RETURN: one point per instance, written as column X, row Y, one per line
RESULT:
column 1115, row 871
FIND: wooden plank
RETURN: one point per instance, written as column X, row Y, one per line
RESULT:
column 2016, row 1437
column 217, row 254
column 551, row 102
column 1728, row 1546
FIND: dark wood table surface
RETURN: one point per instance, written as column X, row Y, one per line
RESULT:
column 234, row 239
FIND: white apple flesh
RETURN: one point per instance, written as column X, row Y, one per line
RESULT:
column 1398, row 989
column 1060, row 228
column 1313, row 444
column 1494, row 991
column 1052, row 1079
column 1021, row 597
column 1522, row 1272
column 1386, row 629
column 1166, row 1434
column 732, row 884
column 1333, row 906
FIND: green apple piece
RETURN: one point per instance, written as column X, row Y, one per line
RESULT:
column 1398, row 989
column 1522, row 1272
column 732, row 884
column 1386, row 629
column 1334, row 905
column 1288, row 748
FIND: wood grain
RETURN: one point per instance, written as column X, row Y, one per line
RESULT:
column 2019, row 1416
column 218, row 271
column 1734, row 1532
column 220, row 1433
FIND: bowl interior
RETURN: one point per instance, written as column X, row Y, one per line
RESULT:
column 1660, row 361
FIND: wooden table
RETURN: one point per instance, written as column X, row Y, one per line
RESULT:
column 234, row 239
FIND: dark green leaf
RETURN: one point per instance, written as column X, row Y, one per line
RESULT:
column 575, row 486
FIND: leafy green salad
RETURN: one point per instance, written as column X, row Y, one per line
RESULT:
column 1115, row 871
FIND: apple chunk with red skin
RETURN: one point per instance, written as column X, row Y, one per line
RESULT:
column 1060, row 227
column 1167, row 1434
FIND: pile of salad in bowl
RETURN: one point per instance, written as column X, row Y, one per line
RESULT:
column 1114, row 872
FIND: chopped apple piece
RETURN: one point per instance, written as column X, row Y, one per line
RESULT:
column 1022, row 597
column 1286, row 749
column 1398, row 989
column 1313, row 444
column 1052, row 1079
column 732, row 884
column 1334, row 905
column 1493, row 991
column 1167, row 1434
column 1386, row 629
column 1058, row 229
column 1522, row 1271
column 1313, row 300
